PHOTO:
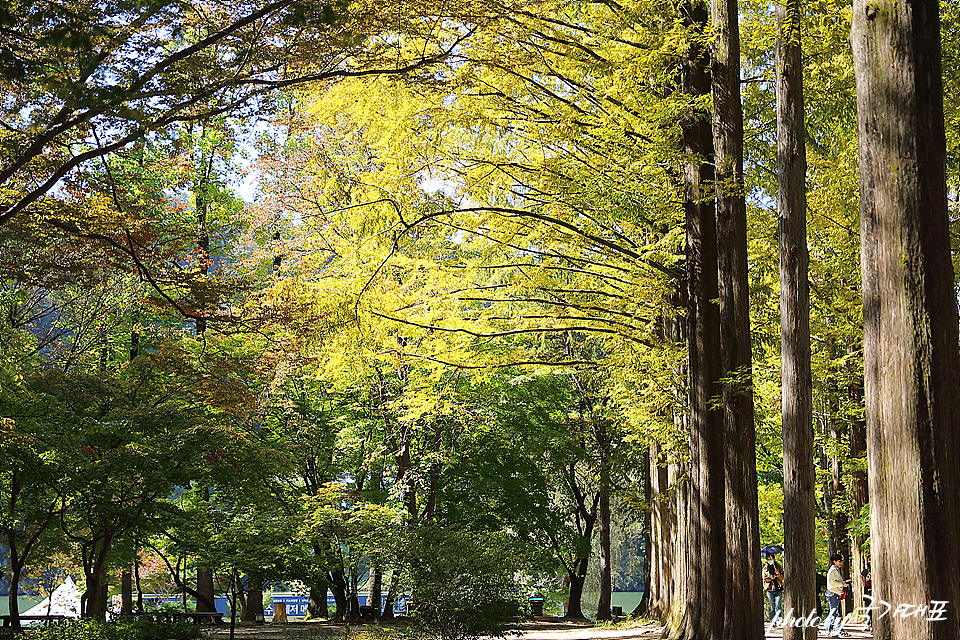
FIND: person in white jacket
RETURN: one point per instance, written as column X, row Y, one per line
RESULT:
column 835, row 587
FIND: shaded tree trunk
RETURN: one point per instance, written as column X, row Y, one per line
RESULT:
column 136, row 579
column 94, row 554
column 703, row 615
column 126, row 591
column 205, row 599
column 799, row 498
column 603, row 520
column 646, row 469
column 338, row 585
column 577, row 575
column 743, row 610
column 911, row 354
column 376, row 590
column 858, row 480
column 317, row 604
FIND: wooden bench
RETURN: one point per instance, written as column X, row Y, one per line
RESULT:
column 8, row 619
column 215, row 617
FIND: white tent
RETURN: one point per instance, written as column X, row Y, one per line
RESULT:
column 65, row 601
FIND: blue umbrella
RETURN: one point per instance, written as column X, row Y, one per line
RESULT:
column 771, row 550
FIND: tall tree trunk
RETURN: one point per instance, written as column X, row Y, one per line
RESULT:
column 911, row 354
column 858, row 480
column 646, row 469
column 796, row 382
column 743, row 611
column 703, row 616
column 839, row 534
column 603, row 520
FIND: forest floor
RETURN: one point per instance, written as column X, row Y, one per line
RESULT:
column 528, row 631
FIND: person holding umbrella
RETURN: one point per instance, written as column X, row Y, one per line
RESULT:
column 773, row 582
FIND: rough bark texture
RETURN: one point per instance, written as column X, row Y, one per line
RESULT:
column 859, row 494
column 703, row 616
column 797, row 393
column 317, row 605
column 253, row 612
column 743, row 611
column 603, row 522
column 126, row 591
column 376, row 590
column 911, row 356
column 577, row 577
column 205, row 601
column 647, row 468
column 94, row 555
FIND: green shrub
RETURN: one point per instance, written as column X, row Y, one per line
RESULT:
column 133, row 629
column 462, row 584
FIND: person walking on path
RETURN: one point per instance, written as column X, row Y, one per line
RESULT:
column 835, row 587
column 868, row 591
column 773, row 586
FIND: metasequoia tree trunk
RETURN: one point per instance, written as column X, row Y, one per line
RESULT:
column 603, row 521
column 911, row 355
column 797, row 386
column 703, row 615
column 648, row 467
column 840, row 539
column 858, row 478
column 669, row 506
column 743, row 610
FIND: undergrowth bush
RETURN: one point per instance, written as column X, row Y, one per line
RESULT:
column 137, row 629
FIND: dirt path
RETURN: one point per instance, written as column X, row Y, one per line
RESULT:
column 529, row 631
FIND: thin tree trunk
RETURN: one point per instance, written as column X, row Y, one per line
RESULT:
column 136, row 576
column 911, row 354
column 376, row 590
column 858, row 481
column 839, row 534
column 603, row 520
column 797, row 385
